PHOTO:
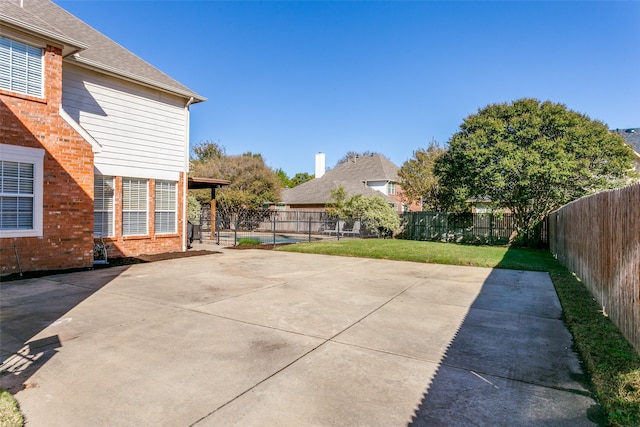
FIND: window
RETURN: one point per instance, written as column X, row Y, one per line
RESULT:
column 103, row 206
column 21, row 67
column 166, row 201
column 391, row 188
column 20, row 191
column 134, row 206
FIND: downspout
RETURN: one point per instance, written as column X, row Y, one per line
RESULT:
column 185, row 183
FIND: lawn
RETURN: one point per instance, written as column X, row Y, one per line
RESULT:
column 611, row 363
column 10, row 415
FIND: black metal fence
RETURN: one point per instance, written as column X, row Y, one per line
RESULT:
column 472, row 228
column 291, row 226
column 280, row 226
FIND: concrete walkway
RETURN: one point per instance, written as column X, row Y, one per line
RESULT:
column 252, row 337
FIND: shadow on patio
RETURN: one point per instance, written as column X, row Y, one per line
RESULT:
column 510, row 363
column 27, row 308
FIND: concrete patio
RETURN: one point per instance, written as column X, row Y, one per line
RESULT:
column 253, row 337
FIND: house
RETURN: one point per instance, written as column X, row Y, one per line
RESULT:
column 632, row 138
column 93, row 143
column 366, row 175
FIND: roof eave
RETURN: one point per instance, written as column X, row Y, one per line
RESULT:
column 70, row 46
column 196, row 183
column 97, row 66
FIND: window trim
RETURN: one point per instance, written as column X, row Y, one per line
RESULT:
column 391, row 188
column 174, row 211
column 111, row 226
column 33, row 156
column 146, row 208
column 29, row 56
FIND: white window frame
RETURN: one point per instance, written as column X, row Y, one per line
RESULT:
column 139, row 203
column 34, row 156
column 391, row 188
column 163, row 206
column 21, row 68
column 101, row 204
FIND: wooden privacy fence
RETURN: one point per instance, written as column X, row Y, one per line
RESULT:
column 479, row 228
column 598, row 238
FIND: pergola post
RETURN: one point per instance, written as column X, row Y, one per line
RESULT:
column 212, row 184
column 212, row 235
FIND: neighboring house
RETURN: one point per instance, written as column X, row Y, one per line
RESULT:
column 93, row 142
column 366, row 175
column 632, row 138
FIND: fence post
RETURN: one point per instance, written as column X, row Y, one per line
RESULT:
column 274, row 230
column 309, row 229
column 490, row 228
column 235, row 232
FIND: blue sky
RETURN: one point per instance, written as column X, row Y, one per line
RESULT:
column 290, row 79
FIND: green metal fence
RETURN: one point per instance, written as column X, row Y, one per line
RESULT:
column 475, row 228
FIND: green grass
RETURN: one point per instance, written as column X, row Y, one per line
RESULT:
column 10, row 415
column 611, row 363
column 429, row 252
column 248, row 241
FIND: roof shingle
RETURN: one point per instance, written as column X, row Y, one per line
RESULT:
column 631, row 137
column 352, row 175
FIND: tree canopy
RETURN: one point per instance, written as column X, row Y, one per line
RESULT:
column 418, row 179
column 298, row 178
column 374, row 212
column 252, row 182
column 207, row 150
column 531, row 157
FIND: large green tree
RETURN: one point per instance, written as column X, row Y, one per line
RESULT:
column 418, row 180
column 531, row 157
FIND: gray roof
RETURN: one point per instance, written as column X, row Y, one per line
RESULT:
column 85, row 46
column 351, row 175
column 631, row 137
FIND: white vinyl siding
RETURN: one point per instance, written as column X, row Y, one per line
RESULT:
column 142, row 132
column 103, row 203
column 21, row 68
column 166, row 198
column 134, row 206
column 21, row 191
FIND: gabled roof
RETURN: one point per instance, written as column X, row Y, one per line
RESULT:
column 352, row 175
column 631, row 137
column 85, row 46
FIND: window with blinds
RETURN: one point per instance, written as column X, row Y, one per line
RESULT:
column 21, row 68
column 16, row 195
column 166, row 198
column 103, row 203
column 134, row 206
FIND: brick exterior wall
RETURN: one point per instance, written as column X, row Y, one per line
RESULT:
column 67, row 238
column 413, row 207
column 26, row 121
column 132, row 246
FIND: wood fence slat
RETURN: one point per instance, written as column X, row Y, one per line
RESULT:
column 598, row 238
